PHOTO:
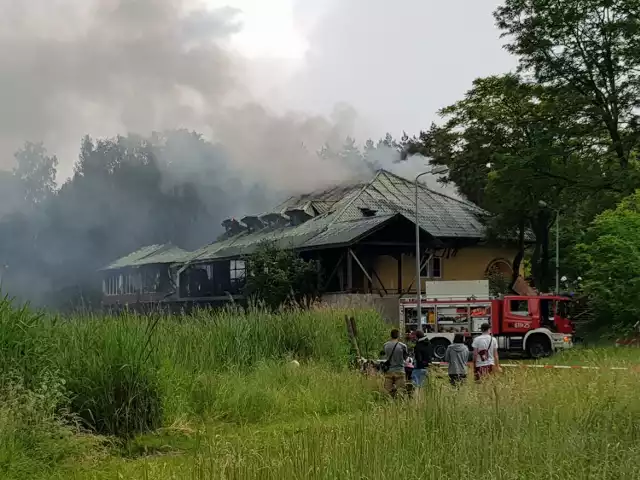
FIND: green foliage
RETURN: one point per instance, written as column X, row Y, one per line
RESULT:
column 610, row 259
column 589, row 49
column 277, row 277
column 509, row 145
column 36, row 172
column 127, row 375
column 24, row 346
column 233, row 405
column 499, row 284
column 115, row 389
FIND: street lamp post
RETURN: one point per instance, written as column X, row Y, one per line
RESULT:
column 434, row 171
column 544, row 204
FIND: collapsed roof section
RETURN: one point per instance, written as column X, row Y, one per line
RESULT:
column 150, row 255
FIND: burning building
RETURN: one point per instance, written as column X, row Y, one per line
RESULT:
column 363, row 234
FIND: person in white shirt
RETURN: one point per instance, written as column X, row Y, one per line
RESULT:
column 485, row 353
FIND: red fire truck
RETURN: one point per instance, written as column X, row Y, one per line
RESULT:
column 536, row 325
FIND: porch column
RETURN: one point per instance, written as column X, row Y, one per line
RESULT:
column 349, row 271
column 399, row 258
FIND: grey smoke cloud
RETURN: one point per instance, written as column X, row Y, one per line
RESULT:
column 103, row 67
column 107, row 67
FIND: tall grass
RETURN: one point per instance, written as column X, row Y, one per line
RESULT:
column 522, row 425
column 214, row 396
column 131, row 374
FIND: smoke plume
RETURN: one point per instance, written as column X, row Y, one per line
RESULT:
column 107, row 67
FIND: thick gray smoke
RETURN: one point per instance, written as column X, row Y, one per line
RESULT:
column 106, row 67
column 69, row 68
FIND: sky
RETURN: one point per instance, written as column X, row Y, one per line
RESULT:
column 293, row 72
column 395, row 65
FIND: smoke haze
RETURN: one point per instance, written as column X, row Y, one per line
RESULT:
column 69, row 68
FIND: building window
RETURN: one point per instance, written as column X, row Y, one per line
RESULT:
column 131, row 283
column 433, row 268
column 122, row 284
column 110, row 285
column 237, row 272
column 150, row 281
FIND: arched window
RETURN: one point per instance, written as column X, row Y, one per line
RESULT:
column 499, row 273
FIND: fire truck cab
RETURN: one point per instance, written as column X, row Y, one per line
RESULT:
column 536, row 325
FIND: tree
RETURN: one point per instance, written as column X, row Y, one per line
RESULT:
column 589, row 49
column 277, row 277
column 610, row 262
column 126, row 192
column 509, row 145
column 36, row 172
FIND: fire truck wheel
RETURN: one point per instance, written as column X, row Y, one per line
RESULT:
column 539, row 346
column 439, row 349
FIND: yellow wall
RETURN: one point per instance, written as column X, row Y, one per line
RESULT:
column 469, row 264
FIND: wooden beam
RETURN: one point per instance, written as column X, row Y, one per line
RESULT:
column 364, row 270
column 380, row 280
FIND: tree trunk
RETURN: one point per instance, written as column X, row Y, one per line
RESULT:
column 517, row 260
column 544, row 261
column 540, row 260
column 618, row 147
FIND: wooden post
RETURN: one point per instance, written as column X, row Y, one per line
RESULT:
column 400, row 274
column 349, row 271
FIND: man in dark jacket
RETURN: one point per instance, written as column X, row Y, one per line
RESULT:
column 423, row 352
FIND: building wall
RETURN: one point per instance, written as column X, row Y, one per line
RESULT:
column 388, row 306
column 469, row 264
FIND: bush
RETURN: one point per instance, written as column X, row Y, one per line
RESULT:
column 277, row 277
column 129, row 374
column 609, row 258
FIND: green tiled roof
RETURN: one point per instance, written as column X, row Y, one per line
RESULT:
column 339, row 219
column 314, row 233
column 149, row 255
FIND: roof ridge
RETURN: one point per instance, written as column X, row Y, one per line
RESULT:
column 424, row 187
column 352, row 201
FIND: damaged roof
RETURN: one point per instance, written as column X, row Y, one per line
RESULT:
column 149, row 255
column 315, row 233
column 341, row 216
column 388, row 194
column 345, row 213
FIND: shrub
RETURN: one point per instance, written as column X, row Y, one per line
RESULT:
column 276, row 277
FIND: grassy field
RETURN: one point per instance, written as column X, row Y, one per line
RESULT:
column 214, row 397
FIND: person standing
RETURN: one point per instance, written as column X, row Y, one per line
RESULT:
column 395, row 352
column 485, row 353
column 423, row 353
column 457, row 358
